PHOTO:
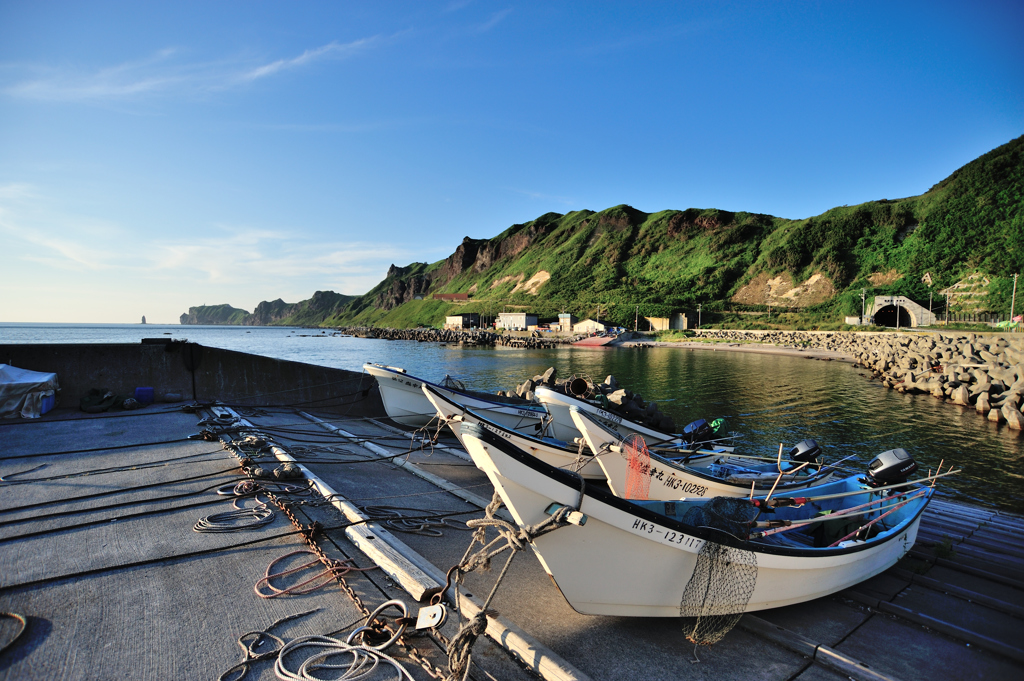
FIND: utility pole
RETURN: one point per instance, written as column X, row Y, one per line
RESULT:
column 698, row 314
column 1013, row 298
column 863, row 296
column 636, row 319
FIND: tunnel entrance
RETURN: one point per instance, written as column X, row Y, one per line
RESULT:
column 888, row 316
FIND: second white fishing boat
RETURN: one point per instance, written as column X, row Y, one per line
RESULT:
column 634, row 472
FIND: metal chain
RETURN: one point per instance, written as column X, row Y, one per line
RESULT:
column 309, row 533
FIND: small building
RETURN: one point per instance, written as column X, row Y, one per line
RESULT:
column 677, row 321
column 458, row 322
column 588, row 326
column 516, row 321
column 655, row 324
column 566, row 322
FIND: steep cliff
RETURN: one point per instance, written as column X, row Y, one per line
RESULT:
column 214, row 314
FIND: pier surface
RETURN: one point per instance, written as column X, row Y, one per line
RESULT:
column 98, row 551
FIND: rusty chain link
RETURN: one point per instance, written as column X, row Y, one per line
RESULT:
column 309, row 533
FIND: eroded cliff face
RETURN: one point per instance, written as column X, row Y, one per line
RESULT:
column 266, row 313
column 214, row 314
column 400, row 286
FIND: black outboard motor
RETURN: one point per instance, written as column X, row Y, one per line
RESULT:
column 891, row 468
column 805, row 451
column 699, row 431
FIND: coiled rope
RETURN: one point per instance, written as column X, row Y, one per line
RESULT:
column 22, row 622
column 240, row 519
column 339, row 568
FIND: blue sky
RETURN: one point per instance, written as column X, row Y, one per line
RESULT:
column 157, row 156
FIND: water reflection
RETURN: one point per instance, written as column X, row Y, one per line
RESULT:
column 768, row 399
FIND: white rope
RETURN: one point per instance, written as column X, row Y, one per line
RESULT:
column 363, row 661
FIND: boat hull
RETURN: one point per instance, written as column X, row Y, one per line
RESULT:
column 626, row 561
column 564, row 428
column 559, row 457
column 405, row 402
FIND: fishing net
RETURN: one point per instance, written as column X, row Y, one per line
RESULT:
column 453, row 384
column 724, row 577
column 638, row 472
column 731, row 515
column 718, row 591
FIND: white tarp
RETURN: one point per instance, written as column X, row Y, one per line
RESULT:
column 22, row 391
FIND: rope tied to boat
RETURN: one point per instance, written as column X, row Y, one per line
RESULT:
column 509, row 537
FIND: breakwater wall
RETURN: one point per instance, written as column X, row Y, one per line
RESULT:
column 189, row 371
column 460, row 337
column 981, row 371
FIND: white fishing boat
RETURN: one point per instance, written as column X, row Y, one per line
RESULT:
column 635, row 472
column 563, row 427
column 405, row 402
column 660, row 559
column 571, row 456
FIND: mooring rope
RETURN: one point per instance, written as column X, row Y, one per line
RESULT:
column 509, row 537
column 326, row 576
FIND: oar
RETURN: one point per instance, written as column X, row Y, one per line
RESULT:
column 803, row 500
column 793, row 525
column 872, row 522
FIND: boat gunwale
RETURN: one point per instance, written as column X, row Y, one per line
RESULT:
column 482, row 397
column 635, row 425
column 573, row 481
column 514, row 433
column 809, row 481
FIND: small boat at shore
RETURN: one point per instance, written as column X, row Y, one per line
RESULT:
column 558, row 453
column 563, row 427
column 704, row 558
column 405, row 402
column 633, row 471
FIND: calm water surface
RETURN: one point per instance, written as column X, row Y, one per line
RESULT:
column 767, row 399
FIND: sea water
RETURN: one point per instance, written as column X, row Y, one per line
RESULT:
column 765, row 399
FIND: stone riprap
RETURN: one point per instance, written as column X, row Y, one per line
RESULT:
column 424, row 335
column 972, row 370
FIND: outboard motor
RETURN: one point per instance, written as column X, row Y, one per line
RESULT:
column 891, row 468
column 699, row 431
column 805, row 451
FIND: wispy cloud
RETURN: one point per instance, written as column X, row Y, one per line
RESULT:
column 163, row 72
column 33, row 231
column 333, row 49
column 249, row 255
column 496, row 19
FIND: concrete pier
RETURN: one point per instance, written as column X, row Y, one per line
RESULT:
column 98, row 551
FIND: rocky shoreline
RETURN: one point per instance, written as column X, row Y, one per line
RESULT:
column 460, row 337
column 983, row 371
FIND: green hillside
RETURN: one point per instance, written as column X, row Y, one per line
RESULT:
column 622, row 258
